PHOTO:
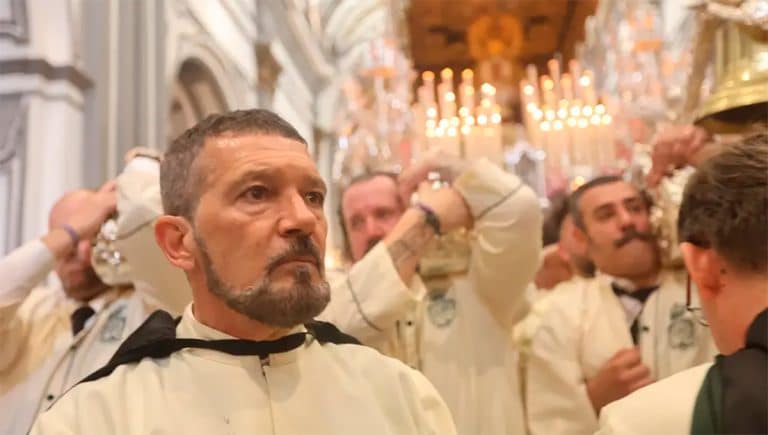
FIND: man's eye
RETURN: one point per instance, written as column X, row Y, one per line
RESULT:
column 355, row 224
column 316, row 198
column 604, row 215
column 256, row 193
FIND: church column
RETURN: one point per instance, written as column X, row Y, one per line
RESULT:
column 42, row 88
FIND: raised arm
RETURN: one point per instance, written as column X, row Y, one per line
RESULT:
column 506, row 238
column 27, row 266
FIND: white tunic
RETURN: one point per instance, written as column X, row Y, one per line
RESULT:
column 580, row 325
column 39, row 357
column 460, row 341
column 313, row 389
column 665, row 407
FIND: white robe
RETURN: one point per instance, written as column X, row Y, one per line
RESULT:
column 320, row 389
column 460, row 341
column 580, row 325
column 665, row 407
column 39, row 357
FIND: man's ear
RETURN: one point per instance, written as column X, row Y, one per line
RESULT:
column 173, row 235
column 705, row 268
column 580, row 240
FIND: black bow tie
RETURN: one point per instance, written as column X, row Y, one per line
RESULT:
column 79, row 317
column 640, row 294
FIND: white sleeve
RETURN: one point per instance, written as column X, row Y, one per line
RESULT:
column 506, row 239
column 22, row 270
column 555, row 391
column 367, row 301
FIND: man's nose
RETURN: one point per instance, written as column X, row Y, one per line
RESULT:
column 625, row 219
column 374, row 229
column 297, row 217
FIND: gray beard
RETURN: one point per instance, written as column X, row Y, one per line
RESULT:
column 282, row 307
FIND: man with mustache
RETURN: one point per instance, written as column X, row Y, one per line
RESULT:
column 599, row 339
column 723, row 230
column 453, row 324
column 244, row 220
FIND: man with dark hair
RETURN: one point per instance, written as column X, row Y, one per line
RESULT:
column 244, row 220
column 597, row 340
column 562, row 257
column 447, row 312
column 723, row 226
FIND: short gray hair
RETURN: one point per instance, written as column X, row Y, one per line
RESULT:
column 180, row 179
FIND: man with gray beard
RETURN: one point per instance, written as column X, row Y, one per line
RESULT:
column 244, row 220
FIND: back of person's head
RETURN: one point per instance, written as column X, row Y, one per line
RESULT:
column 725, row 205
column 553, row 221
column 723, row 226
column 180, row 177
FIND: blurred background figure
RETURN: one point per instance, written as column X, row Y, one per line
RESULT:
column 563, row 258
column 439, row 283
column 53, row 336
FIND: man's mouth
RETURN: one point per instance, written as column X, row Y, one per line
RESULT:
column 298, row 260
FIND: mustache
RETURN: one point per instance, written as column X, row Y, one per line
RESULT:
column 299, row 248
column 632, row 234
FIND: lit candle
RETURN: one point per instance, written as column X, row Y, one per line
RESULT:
column 575, row 69
column 547, row 91
column 428, row 78
column 567, row 86
column 554, row 73
column 467, row 92
column 587, row 84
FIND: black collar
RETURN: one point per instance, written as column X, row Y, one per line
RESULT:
column 757, row 334
column 156, row 338
column 640, row 294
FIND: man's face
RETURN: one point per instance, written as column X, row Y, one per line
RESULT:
column 370, row 210
column 618, row 230
column 78, row 278
column 259, row 227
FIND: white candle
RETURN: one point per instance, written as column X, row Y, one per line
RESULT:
column 428, row 78
column 554, row 73
column 547, row 91
column 567, row 86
